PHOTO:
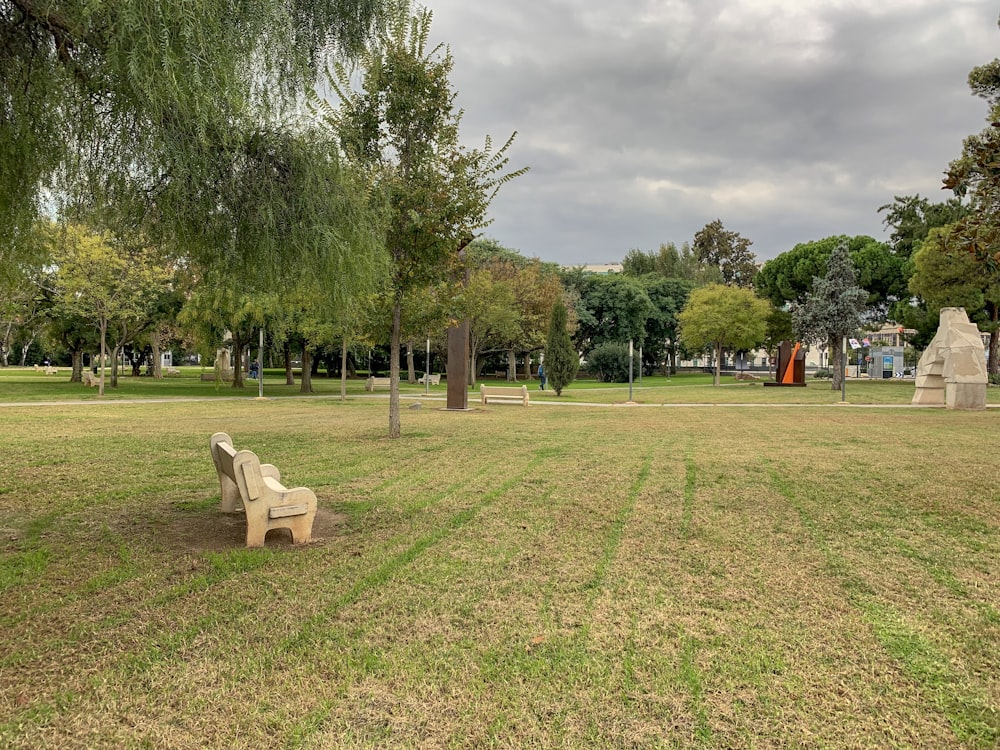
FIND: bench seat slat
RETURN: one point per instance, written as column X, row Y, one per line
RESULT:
column 284, row 511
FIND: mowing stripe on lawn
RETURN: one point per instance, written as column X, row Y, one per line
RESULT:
column 312, row 630
column 969, row 711
column 242, row 561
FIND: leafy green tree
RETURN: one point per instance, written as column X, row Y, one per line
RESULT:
column 148, row 104
column 975, row 176
column 402, row 127
column 911, row 218
column 491, row 309
column 218, row 308
column 610, row 308
column 789, row 276
column 723, row 318
column 779, row 328
column 105, row 283
column 668, row 297
column 638, row 263
column 534, row 285
column 727, row 251
column 24, row 309
column 672, row 263
column 832, row 310
column 947, row 275
column 561, row 360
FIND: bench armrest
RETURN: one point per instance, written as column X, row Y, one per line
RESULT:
column 270, row 470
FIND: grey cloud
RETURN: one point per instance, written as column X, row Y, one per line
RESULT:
column 642, row 121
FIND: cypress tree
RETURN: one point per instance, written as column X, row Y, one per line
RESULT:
column 561, row 359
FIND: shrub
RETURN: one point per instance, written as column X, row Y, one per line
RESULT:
column 609, row 363
column 823, row 373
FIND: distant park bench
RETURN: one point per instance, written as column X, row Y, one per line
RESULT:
column 434, row 379
column 226, row 376
column 268, row 504
column 372, row 383
column 503, row 394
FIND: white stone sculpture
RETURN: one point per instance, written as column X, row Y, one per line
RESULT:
column 952, row 370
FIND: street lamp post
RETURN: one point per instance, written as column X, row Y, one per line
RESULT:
column 630, row 370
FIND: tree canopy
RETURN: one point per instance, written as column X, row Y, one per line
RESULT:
column 723, row 317
column 715, row 246
column 153, row 105
column 401, row 127
column 832, row 310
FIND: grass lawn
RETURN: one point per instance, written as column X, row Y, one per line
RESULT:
column 684, row 577
column 25, row 385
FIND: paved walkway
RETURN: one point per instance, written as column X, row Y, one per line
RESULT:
column 420, row 398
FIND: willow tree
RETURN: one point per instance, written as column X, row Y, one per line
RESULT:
column 401, row 126
column 153, row 106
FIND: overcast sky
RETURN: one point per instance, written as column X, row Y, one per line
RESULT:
column 644, row 120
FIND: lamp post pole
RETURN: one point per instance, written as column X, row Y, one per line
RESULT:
column 260, row 365
column 630, row 370
column 843, row 365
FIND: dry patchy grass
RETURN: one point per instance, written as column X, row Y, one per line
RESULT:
column 507, row 577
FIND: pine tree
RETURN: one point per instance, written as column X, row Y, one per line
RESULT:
column 561, row 359
column 833, row 309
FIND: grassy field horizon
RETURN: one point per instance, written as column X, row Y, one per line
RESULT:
column 504, row 577
column 27, row 385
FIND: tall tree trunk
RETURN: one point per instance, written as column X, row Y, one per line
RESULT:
column 24, row 350
column 411, row 370
column 116, row 352
column 289, row 372
column 157, row 359
column 104, row 349
column 76, row 357
column 307, row 383
column 343, row 369
column 236, row 362
column 837, row 364
column 992, row 364
column 473, row 370
column 718, row 363
column 511, row 365
column 395, row 429
column 8, row 336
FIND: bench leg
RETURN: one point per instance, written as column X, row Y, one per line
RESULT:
column 301, row 528
column 256, row 534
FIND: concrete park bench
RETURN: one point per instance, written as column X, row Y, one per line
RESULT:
column 372, row 383
column 90, row 379
column 434, row 379
column 257, row 488
column 503, row 394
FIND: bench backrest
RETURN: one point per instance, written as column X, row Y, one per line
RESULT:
column 249, row 478
column 243, row 468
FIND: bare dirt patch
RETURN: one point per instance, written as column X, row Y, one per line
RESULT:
column 215, row 532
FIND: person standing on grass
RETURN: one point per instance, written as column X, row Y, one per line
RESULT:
column 541, row 377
